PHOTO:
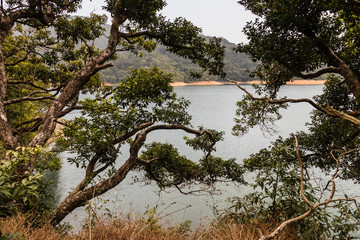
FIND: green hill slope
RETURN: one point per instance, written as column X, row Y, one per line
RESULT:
column 235, row 64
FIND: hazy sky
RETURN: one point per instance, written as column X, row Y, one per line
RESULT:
column 220, row 18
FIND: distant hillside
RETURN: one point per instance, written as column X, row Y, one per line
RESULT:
column 235, row 64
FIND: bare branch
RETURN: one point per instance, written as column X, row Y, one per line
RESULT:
column 192, row 192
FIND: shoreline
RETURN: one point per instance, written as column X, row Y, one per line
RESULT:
column 217, row 83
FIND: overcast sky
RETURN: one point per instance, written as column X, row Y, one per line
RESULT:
column 220, row 18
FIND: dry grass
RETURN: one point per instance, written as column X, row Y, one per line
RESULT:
column 22, row 225
column 120, row 229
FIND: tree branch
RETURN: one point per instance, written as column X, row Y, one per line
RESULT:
column 19, row 60
column 30, row 99
column 333, row 112
column 318, row 73
column 328, row 110
column 278, row 101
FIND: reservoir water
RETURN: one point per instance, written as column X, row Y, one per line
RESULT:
column 213, row 107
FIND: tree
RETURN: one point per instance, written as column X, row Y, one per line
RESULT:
column 47, row 59
column 305, row 39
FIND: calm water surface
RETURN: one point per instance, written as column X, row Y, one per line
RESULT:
column 213, row 107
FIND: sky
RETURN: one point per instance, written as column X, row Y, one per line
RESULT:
column 219, row 18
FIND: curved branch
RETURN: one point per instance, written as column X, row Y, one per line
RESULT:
column 80, row 195
column 147, row 162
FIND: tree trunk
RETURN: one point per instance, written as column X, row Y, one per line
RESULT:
column 6, row 133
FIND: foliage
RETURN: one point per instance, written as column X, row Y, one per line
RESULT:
column 143, row 97
column 141, row 104
column 26, row 193
column 305, row 39
column 289, row 36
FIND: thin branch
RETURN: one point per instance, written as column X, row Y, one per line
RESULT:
column 147, row 162
column 13, row 51
column 302, row 175
column 278, row 101
column 192, row 192
column 70, row 109
column 34, row 86
column 132, row 132
column 31, row 99
column 19, row 60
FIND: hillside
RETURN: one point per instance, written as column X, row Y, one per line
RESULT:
column 235, row 64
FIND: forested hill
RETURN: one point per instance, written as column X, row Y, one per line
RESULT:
column 236, row 65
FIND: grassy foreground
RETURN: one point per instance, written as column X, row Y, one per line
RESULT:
column 20, row 227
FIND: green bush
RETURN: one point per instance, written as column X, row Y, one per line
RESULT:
column 20, row 193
